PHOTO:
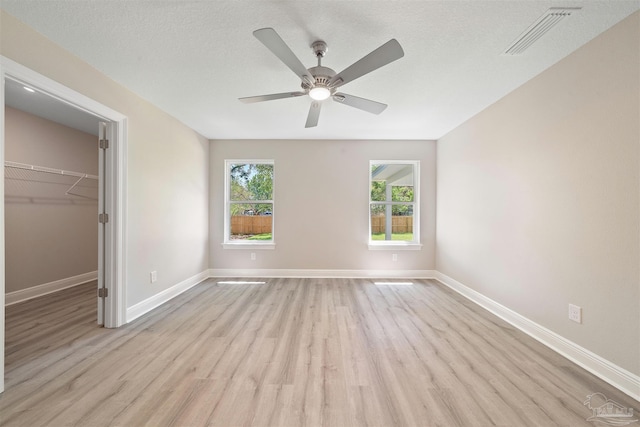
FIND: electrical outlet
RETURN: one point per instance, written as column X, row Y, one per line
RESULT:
column 394, row 257
column 575, row 313
column 253, row 256
column 154, row 276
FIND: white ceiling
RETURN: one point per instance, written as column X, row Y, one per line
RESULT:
column 193, row 59
column 42, row 105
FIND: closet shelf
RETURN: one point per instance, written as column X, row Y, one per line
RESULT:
column 72, row 190
column 16, row 165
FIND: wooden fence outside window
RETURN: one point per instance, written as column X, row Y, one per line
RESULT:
column 399, row 224
column 251, row 224
column 259, row 224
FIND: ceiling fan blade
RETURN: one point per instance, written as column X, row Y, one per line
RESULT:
column 314, row 114
column 275, row 44
column 260, row 98
column 385, row 54
column 361, row 103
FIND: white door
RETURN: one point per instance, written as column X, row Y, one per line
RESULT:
column 103, row 288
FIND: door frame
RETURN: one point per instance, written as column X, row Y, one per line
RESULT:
column 115, row 192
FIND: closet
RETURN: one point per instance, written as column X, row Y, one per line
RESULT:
column 51, row 199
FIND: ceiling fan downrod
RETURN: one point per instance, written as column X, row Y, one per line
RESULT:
column 320, row 50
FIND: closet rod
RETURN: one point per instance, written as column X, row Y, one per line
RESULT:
column 16, row 165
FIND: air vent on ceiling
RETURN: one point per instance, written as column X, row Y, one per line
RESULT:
column 539, row 28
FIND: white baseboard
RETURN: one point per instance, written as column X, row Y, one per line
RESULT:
column 618, row 377
column 160, row 298
column 47, row 288
column 329, row 274
column 149, row 304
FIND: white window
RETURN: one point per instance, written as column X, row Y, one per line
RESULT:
column 394, row 217
column 249, row 207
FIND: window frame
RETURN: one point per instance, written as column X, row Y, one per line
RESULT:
column 244, row 244
column 414, row 244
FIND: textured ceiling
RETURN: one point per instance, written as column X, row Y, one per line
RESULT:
column 193, row 59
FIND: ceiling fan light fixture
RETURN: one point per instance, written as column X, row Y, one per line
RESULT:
column 319, row 93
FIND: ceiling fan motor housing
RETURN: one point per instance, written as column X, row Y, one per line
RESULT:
column 322, row 76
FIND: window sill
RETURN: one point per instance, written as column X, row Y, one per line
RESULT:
column 394, row 246
column 247, row 245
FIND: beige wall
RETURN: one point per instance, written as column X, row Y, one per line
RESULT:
column 48, row 235
column 321, row 204
column 538, row 197
column 167, row 167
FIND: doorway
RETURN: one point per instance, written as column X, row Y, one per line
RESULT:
column 52, row 192
column 112, row 179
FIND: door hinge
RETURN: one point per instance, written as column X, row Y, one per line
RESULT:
column 103, row 292
column 104, row 144
column 103, row 218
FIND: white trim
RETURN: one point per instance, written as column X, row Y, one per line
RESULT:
column 333, row 274
column 116, row 228
column 2, row 253
column 228, row 243
column 246, row 245
column 618, row 377
column 399, row 246
column 416, row 245
column 47, row 288
column 160, row 298
column 62, row 93
column 115, row 233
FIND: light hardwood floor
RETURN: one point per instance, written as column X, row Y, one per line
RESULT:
column 291, row 352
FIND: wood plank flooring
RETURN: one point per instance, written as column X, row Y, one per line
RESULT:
column 291, row 352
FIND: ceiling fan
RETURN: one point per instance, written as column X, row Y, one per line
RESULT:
column 321, row 82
